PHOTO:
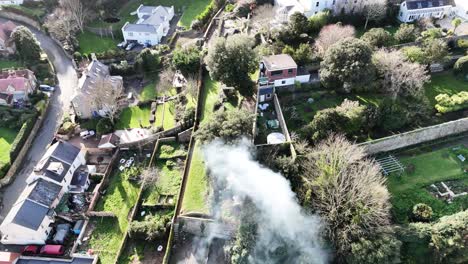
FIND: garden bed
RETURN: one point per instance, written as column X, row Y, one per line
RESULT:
column 425, row 167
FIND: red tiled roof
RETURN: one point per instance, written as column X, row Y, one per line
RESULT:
column 19, row 83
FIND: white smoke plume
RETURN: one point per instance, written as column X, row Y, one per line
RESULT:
column 281, row 220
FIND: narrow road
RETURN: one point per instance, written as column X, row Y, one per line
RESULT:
column 60, row 103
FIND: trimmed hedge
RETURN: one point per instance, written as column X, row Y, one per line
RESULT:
column 21, row 138
column 205, row 16
column 4, row 169
column 446, row 103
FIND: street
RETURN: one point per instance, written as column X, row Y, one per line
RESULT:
column 60, row 103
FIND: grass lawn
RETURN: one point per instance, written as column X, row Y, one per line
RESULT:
column 90, row 42
column 191, row 10
column 37, row 12
column 169, row 180
column 210, row 96
column 120, row 197
column 9, row 64
column 444, row 82
column 197, row 184
column 360, row 31
column 132, row 116
column 410, row 189
column 169, row 114
column 149, row 92
column 7, row 136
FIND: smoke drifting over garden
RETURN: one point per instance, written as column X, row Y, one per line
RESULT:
column 282, row 225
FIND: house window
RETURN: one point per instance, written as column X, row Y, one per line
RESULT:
column 290, row 71
column 401, row 14
column 276, row 73
column 130, row 34
column 268, row 96
column 334, row 2
column 317, row 4
column 283, row 82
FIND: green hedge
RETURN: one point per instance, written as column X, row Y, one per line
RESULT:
column 446, row 103
column 4, row 169
column 205, row 16
column 21, row 138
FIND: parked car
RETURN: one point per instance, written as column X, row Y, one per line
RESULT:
column 30, row 250
column 52, row 250
column 46, row 88
column 122, row 45
column 61, row 233
column 87, row 134
column 131, row 46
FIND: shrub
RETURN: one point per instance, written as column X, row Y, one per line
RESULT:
column 4, row 169
column 122, row 69
column 187, row 60
column 104, row 126
column 406, row 33
column 446, row 103
column 422, row 212
column 196, row 24
column 461, row 66
column 152, row 228
column 171, row 163
column 66, row 128
column 462, row 43
column 229, row 7
column 21, row 138
column 377, row 37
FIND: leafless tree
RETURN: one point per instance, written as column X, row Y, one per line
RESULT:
column 78, row 11
column 191, row 87
column 400, row 77
column 346, row 189
column 149, row 177
column 262, row 17
column 374, row 10
column 331, row 34
column 106, row 96
column 60, row 23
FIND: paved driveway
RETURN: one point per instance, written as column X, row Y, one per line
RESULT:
column 60, row 103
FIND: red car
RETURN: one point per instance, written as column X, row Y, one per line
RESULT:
column 54, row 250
column 30, row 250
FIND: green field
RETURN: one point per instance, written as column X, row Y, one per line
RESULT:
column 429, row 167
column 134, row 117
column 120, row 197
column 168, row 121
column 196, row 191
column 444, row 82
column 190, row 10
column 90, row 42
column 7, row 136
column 209, row 97
column 9, row 64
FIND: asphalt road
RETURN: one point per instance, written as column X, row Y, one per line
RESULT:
column 60, row 103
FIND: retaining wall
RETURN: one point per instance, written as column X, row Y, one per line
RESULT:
column 417, row 136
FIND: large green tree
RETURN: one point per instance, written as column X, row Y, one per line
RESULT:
column 232, row 60
column 27, row 45
column 228, row 125
column 148, row 60
column 347, row 66
column 378, row 37
column 186, row 59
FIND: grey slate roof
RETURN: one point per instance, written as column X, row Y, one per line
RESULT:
column 80, row 176
column 66, row 152
column 44, row 192
column 76, row 260
column 420, row 4
column 30, row 215
column 140, row 28
column 52, row 175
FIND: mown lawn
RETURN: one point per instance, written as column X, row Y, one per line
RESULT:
column 9, row 64
column 149, row 92
column 7, row 136
column 190, row 10
column 90, row 42
column 411, row 188
column 165, row 115
column 120, row 197
column 134, row 117
column 210, row 96
column 444, row 82
column 196, row 191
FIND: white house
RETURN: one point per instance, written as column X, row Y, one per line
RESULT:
column 153, row 24
column 28, row 222
column 461, row 9
column 412, row 10
column 285, row 8
column 11, row 2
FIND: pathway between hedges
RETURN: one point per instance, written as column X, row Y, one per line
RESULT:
column 60, row 103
